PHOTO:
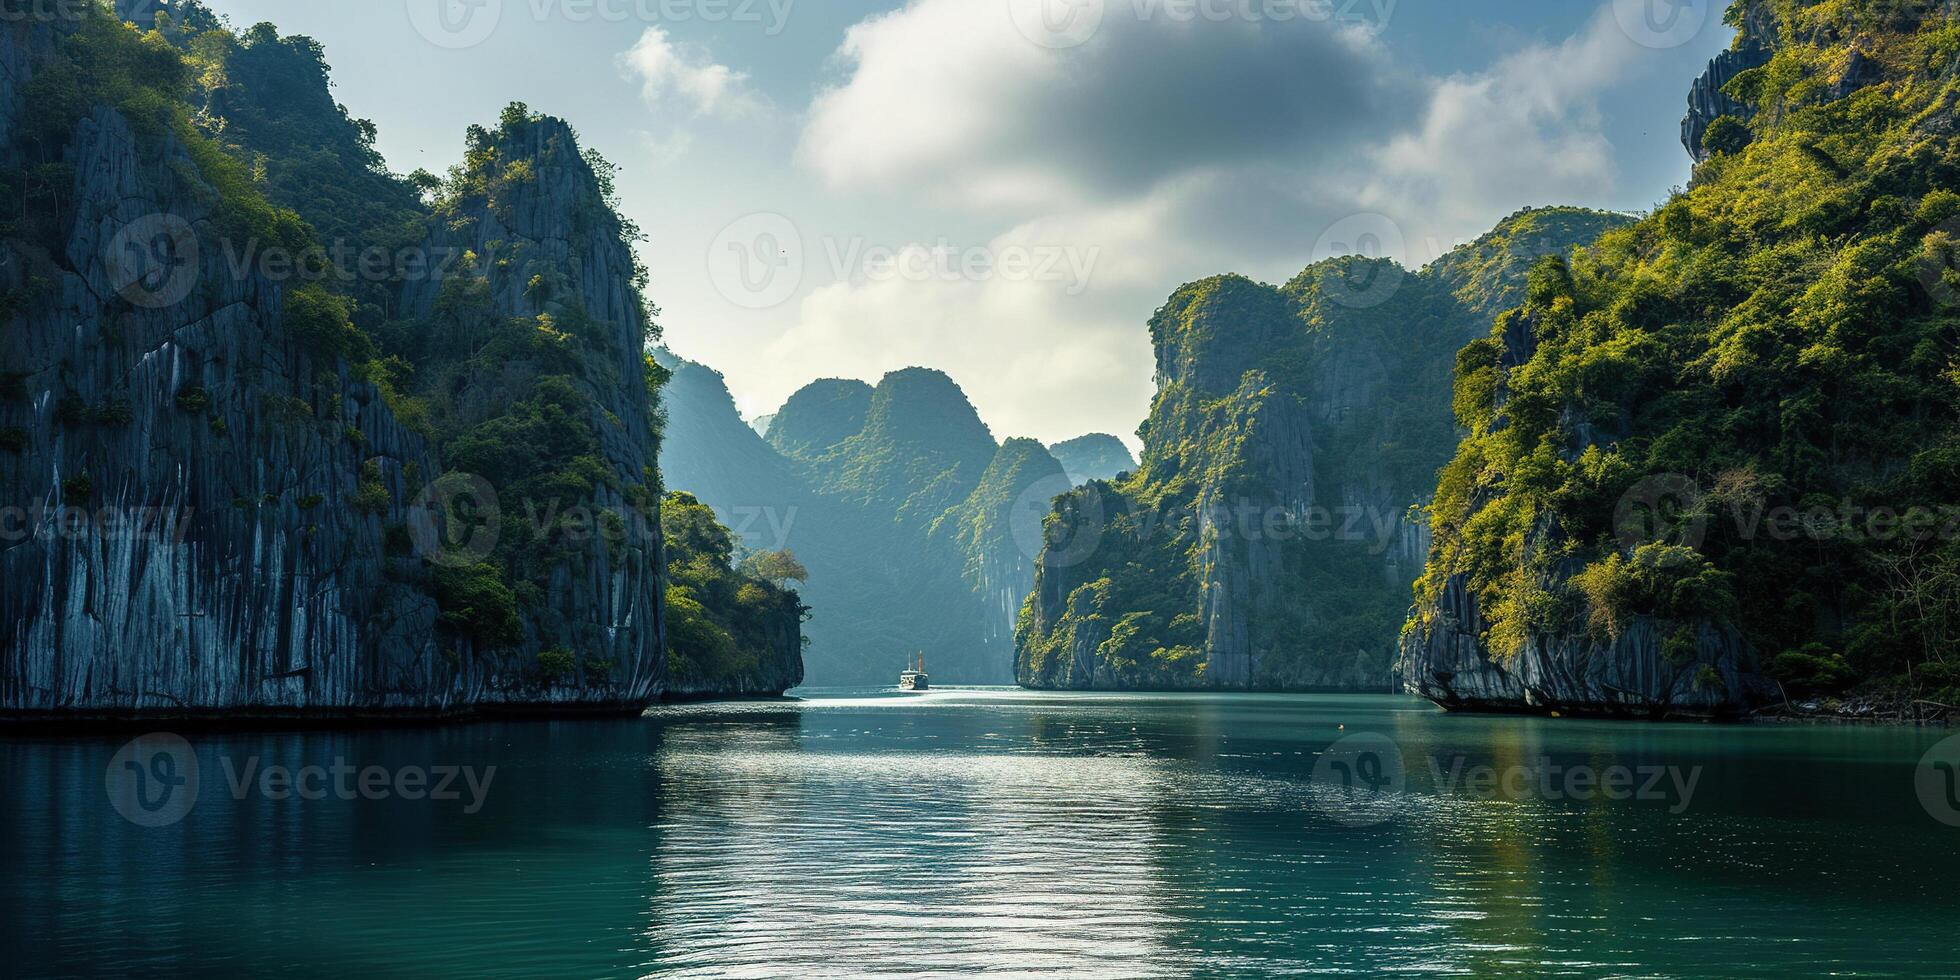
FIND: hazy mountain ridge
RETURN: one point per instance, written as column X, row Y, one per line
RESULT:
column 1096, row 456
column 918, row 531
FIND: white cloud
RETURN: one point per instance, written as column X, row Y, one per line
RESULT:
column 1175, row 150
column 1526, row 130
column 950, row 95
column 668, row 71
column 1044, row 355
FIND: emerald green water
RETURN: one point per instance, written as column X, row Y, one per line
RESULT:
column 1098, row 835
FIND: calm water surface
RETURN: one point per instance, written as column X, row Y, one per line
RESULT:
column 1122, row 836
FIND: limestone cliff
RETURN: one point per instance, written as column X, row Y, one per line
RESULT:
column 996, row 531
column 1619, row 532
column 536, row 377
column 1708, row 97
column 820, row 415
column 735, row 621
column 211, row 505
column 1265, row 540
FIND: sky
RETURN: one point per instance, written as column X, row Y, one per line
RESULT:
column 1007, row 189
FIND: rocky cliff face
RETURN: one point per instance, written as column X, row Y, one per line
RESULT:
column 183, row 475
column 1708, row 99
column 1265, row 540
column 210, row 508
column 921, row 449
column 1648, row 667
column 188, row 537
column 707, row 452
column 1600, row 546
column 996, row 530
column 777, row 664
column 735, row 621
column 544, row 266
column 1634, row 674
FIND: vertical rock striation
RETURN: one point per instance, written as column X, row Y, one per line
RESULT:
column 207, row 502
column 541, row 247
column 996, row 530
column 1708, row 99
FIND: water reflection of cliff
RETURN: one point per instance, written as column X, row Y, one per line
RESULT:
column 263, row 885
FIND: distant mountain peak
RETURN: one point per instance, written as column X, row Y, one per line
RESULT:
column 927, row 406
column 820, row 415
column 1096, row 456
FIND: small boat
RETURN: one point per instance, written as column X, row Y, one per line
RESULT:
column 914, row 678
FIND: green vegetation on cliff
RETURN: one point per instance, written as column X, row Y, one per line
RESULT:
column 1770, row 357
column 820, row 415
column 921, row 448
column 498, row 311
column 1263, row 540
column 519, row 362
column 150, row 83
column 266, row 100
column 733, row 626
column 983, row 525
